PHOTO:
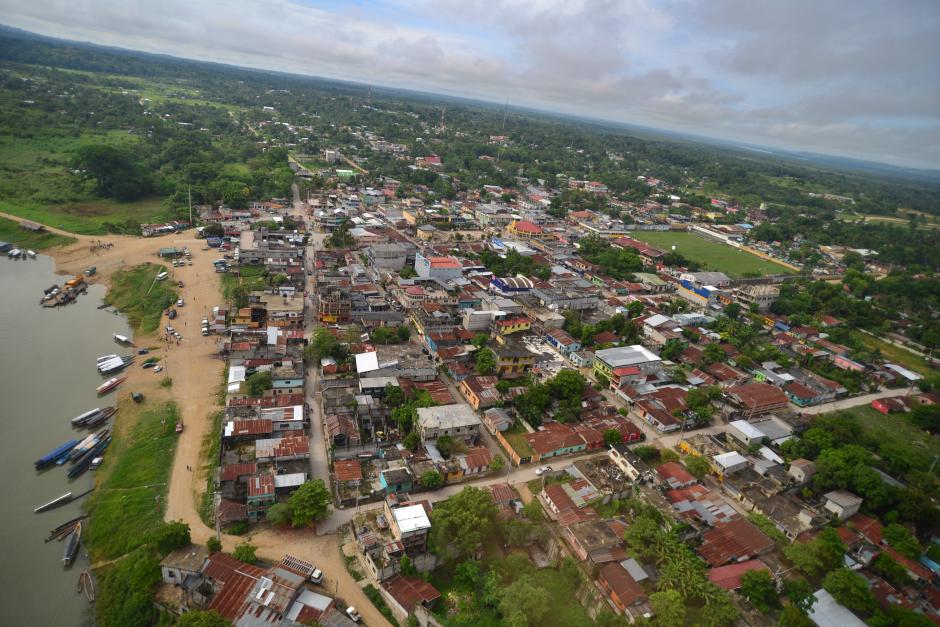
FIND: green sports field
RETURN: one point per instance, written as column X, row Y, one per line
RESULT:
column 711, row 254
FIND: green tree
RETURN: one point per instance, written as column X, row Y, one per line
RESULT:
column 202, row 618
column 758, row 587
column 713, row 353
column 668, row 608
column 497, row 464
column 668, row 455
column 446, row 445
column 245, row 552
column 903, row 541
column 671, row 349
column 171, row 536
column 394, row 396
column 719, row 609
column 851, row 590
column 412, row 441
column 891, row 571
column 114, row 170
column 612, row 436
column 697, row 465
column 308, row 503
column 431, row 480
column 480, row 339
column 279, row 514
column 258, row 382
column 799, row 593
column 524, row 602
column 646, row 452
column 324, row 344
column 485, row 361
column 213, row 544
column 793, row 617
column 459, row 524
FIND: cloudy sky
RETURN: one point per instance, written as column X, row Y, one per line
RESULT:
column 859, row 78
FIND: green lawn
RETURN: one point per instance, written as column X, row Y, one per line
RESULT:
column 140, row 297
column 712, row 255
column 516, row 438
column 11, row 231
column 128, row 504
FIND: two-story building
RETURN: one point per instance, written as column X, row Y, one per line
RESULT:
column 457, row 421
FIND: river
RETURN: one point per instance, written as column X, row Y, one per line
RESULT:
column 47, row 376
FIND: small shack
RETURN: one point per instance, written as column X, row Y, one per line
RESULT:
column 32, row 226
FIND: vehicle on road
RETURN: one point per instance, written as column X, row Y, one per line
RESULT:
column 541, row 471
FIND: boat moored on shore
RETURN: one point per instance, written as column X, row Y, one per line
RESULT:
column 55, row 455
column 110, row 384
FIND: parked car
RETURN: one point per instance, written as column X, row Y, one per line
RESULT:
column 541, row 471
column 316, row 576
column 172, row 314
column 353, row 614
column 179, row 303
column 158, row 369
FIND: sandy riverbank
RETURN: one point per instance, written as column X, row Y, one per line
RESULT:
column 197, row 372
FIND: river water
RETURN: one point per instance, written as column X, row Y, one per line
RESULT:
column 47, row 376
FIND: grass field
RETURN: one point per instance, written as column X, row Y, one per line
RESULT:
column 35, row 183
column 712, row 255
column 126, row 507
column 12, row 232
column 141, row 298
column 897, row 354
column 896, row 429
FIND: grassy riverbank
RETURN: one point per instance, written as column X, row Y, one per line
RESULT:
column 140, row 297
column 128, row 503
column 11, row 231
column 126, row 529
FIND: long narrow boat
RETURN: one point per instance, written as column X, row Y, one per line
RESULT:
column 110, row 384
column 105, row 358
column 81, row 467
column 83, row 418
column 100, row 418
column 71, row 549
column 123, row 339
column 59, row 500
column 68, row 497
column 58, row 452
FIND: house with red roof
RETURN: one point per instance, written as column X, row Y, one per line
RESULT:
column 729, row 577
column 621, row 588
